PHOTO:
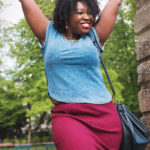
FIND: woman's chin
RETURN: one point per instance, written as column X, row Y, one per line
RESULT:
column 85, row 31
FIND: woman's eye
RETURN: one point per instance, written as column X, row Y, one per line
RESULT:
column 79, row 12
column 90, row 13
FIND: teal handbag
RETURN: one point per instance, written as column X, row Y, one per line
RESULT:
column 135, row 133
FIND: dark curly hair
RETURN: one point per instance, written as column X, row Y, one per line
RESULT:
column 64, row 8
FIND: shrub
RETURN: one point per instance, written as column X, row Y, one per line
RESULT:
column 16, row 141
column 6, row 140
column 35, row 139
column 45, row 139
column 23, row 141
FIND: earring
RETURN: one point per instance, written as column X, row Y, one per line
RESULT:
column 66, row 27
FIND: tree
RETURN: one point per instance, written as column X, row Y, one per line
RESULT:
column 120, row 55
column 12, row 113
column 29, row 71
column 116, row 84
column 1, row 45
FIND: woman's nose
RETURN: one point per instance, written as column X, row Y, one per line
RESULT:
column 86, row 16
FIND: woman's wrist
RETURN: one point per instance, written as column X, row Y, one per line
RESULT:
column 21, row 1
column 118, row 2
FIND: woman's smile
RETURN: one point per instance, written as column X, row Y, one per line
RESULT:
column 86, row 25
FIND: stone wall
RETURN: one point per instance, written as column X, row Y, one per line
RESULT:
column 142, row 30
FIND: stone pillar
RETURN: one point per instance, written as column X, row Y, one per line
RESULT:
column 142, row 30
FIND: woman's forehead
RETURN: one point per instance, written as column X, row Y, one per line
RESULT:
column 81, row 5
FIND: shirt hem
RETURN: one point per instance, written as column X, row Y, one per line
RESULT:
column 84, row 101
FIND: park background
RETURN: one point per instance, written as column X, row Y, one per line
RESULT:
column 24, row 104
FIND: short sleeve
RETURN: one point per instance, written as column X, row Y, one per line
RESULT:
column 47, row 36
column 102, row 47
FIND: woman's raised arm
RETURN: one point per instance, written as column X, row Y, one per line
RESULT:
column 107, row 20
column 35, row 18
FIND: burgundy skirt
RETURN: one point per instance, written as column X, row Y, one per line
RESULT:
column 86, row 126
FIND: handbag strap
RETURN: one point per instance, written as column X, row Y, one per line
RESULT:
column 93, row 37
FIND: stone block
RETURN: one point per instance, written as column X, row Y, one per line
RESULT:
column 146, row 120
column 144, row 100
column 148, row 147
column 143, row 71
column 141, row 20
column 140, row 3
column 143, row 46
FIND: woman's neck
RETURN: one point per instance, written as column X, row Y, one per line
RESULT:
column 70, row 36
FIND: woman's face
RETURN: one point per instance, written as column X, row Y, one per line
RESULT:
column 81, row 20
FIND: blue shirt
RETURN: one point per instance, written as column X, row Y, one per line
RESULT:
column 73, row 70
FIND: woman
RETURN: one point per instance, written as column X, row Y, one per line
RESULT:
column 84, row 116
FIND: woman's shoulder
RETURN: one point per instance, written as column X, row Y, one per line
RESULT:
column 51, row 31
column 50, row 27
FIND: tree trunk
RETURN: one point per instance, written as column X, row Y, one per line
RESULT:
column 29, row 134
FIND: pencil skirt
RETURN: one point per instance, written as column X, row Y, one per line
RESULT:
column 84, row 126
